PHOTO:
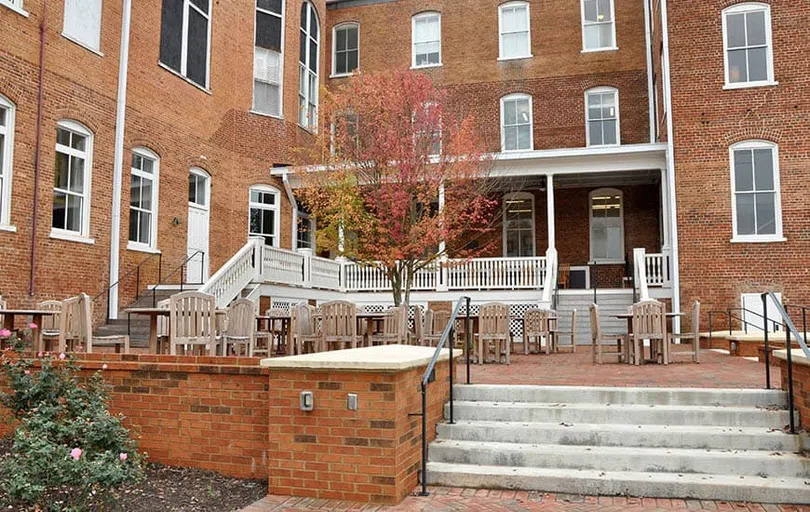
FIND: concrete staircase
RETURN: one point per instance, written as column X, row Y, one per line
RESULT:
column 611, row 303
column 714, row 444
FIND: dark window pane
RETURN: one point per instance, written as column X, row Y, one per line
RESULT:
column 756, row 28
column 145, row 227
column 763, row 169
column 74, row 213
column 304, row 16
column 352, row 38
column 197, row 62
column 757, row 65
column 766, row 214
column 171, row 33
column 743, row 171
column 735, row 27
column 302, row 48
column 78, row 142
column 268, row 222
column 255, row 221
column 133, row 225
column 192, row 188
column 737, row 66
column 270, row 5
column 59, row 206
column 76, row 174
column 268, row 31
column 313, row 56
column 60, row 171
column 352, row 61
column 340, row 39
column 62, row 137
column 340, row 63
column 745, row 214
column 134, row 191
column 146, row 194
column 202, row 4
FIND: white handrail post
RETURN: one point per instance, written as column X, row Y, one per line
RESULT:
column 307, row 271
column 550, row 278
column 441, row 274
column 343, row 278
column 640, row 267
column 258, row 257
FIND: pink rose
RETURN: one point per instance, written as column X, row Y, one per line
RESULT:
column 32, row 325
column 39, row 355
column 104, row 366
column 62, row 356
column 123, row 456
column 76, row 453
column 5, row 333
column 28, row 372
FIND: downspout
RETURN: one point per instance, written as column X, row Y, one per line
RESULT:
column 294, row 205
column 676, row 275
column 38, row 151
column 118, row 163
column 650, row 85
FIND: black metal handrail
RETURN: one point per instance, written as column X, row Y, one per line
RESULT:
column 728, row 313
column 789, row 329
column 429, row 376
column 181, row 269
column 137, row 271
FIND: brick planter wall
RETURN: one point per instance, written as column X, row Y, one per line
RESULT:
column 801, row 385
column 368, row 455
column 202, row 412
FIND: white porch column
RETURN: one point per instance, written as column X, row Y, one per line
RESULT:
column 552, row 237
column 665, row 212
column 441, row 272
column 442, row 244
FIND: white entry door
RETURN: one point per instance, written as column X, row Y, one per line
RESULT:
column 753, row 312
column 199, row 187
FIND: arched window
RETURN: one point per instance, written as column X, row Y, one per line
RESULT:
column 426, row 37
column 345, row 48
column 747, row 45
column 308, row 69
column 7, row 111
column 71, row 181
column 518, row 225
column 517, row 131
column 514, row 28
column 143, row 199
column 264, row 213
column 756, row 204
column 607, row 226
column 602, row 116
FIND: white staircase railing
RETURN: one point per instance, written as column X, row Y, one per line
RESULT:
column 283, row 266
column 229, row 281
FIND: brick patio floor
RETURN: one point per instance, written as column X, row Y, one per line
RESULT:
column 449, row 499
column 715, row 370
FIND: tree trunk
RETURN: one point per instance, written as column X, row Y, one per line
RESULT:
column 395, row 277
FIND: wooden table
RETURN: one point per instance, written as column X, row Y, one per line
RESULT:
column 36, row 317
column 153, row 314
column 285, row 320
column 629, row 318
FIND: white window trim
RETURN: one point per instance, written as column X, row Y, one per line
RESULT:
column 348, row 24
column 500, row 30
column 414, row 18
column 281, row 64
column 613, row 23
column 312, row 127
column 155, row 178
column 519, row 196
column 601, row 191
column 12, row 4
column 276, row 208
column 87, row 154
column 7, row 165
column 778, row 236
column 603, row 90
column 198, row 171
column 531, row 122
column 183, row 73
column 743, row 8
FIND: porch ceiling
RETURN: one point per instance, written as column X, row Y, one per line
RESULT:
column 580, row 180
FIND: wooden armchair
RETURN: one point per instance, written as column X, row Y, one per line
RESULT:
column 395, row 328
column 192, row 322
column 239, row 333
column 435, row 323
column 339, row 325
column 571, row 333
column 536, row 329
column 304, row 330
column 693, row 336
column 493, row 331
column 598, row 338
column 417, row 337
column 50, row 323
column 76, row 328
column 649, row 323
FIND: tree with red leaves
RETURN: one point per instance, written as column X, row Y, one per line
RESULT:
column 402, row 181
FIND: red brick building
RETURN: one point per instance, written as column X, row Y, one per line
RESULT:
column 621, row 121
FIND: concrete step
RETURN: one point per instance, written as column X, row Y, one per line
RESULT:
column 622, row 435
column 754, row 489
column 619, row 413
column 611, row 458
column 619, row 395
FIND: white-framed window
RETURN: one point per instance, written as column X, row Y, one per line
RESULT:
column 607, row 225
column 602, row 116
column 198, row 189
column 7, row 111
column 598, row 25
column 517, row 131
column 756, row 203
column 71, row 180
column 345, row 48
column 515, row 34
column 185, row 38
column 308, row 68
column 268, row 56
column 143, row 199
column 518, row 225
column 428, row 133
column 82, row 23
column 264, row 218
column 426, row 36
column 747, row 45
column 15, row 5
column 305, row 232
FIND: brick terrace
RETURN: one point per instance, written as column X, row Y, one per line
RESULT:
column 715, row 370
column 445, row 499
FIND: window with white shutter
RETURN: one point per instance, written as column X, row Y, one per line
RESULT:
column 83, row 22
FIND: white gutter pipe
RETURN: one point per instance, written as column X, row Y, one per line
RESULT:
column 285, row 178
column 118, row 161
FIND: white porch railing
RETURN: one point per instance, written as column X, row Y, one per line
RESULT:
column 283, row 266
column 657, row 269
column 229, row 281
column 324, row 273
column 496, row 274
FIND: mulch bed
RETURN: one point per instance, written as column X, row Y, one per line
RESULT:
column 173, row 489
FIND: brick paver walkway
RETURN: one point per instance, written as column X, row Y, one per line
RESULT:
column 451, row 499
column 715, row 370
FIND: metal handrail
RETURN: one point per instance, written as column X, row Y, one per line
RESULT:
column 429, row 376
column 173, row 272
column 789, row 329
column 136, row 270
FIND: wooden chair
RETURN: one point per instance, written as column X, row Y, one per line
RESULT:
column 563, row 275
column 649, row 323
column 417, row 336
column 240, row 328
column 192, row 323
column 304, row 334
column 435, row 323
column 276, row 335
column 395, row 328
column 339, row 325
column 76, row 328
column 571, row 333
column 693, row 337
column 493, row 331
column 163, row 328
column 536, row 329
column 600, row 351
column 50, row 323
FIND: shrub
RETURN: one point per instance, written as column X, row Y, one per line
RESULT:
column 68, row 451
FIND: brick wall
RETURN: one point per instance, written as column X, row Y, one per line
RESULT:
column 203, row 412
column 801, row 389
column 368, row 455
